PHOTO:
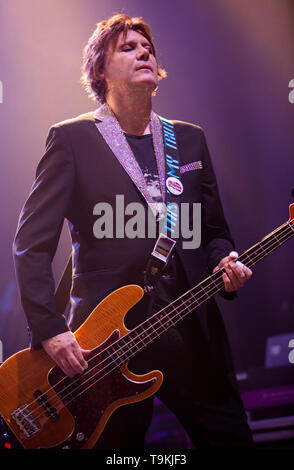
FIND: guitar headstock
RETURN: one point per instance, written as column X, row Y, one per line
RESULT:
column 291, row 213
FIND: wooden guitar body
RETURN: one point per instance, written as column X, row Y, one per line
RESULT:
column 44, row 408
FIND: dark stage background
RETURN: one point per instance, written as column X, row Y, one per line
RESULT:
column 230, row 70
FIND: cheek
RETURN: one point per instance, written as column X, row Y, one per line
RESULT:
column 116, row 72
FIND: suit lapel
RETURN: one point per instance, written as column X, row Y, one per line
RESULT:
column 113, row 135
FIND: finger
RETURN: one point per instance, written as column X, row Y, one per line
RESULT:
column 242, row 272
column 227, row 283
column 239, row 272
column 221, row 264
column 75, row 365
column 235, row 283
column 78, row 356
column 86, row 352
column 233, row 255
column 67, row 368
column 248, row 272
column 72, row 360
column 79, row 353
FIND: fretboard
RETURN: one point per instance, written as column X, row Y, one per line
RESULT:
column 152, row 328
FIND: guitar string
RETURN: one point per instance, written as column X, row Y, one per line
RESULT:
column 111, row 363
column 194, row 302
column 152, row 339
column 150, row 326
column 173, row 314
column 121, row 348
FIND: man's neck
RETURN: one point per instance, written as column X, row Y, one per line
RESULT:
column 132, row 112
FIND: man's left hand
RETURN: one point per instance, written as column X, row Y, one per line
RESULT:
column 236, row 273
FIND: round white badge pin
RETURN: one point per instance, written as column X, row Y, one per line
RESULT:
column 174, row 185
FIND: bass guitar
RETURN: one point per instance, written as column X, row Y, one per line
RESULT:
column 46, row 409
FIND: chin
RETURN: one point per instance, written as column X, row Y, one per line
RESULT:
column 148, row 83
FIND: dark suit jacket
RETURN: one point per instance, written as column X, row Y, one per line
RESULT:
column 77, row 171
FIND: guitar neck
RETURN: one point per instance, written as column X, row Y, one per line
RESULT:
column 268, row 244
column 144, row 334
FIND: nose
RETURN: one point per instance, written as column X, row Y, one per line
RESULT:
column 143, row 53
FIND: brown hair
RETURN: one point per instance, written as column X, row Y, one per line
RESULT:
column 94, row 53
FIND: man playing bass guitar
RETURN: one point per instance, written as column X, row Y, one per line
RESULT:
column 92, row 159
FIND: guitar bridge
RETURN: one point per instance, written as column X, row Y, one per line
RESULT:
column 25, row 421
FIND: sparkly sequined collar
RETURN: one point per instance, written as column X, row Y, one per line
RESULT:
column 112, row 133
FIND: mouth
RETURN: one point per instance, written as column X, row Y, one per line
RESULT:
column 144, row 67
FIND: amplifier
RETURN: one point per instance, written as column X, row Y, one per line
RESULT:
column 268, row 398
column 279, row 350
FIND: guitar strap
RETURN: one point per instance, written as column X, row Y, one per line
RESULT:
column 169, row 224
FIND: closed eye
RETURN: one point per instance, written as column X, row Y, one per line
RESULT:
column 130, row 46
column 127, row 47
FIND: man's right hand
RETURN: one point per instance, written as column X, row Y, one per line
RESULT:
column 66, row 352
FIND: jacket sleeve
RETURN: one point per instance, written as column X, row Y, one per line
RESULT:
column 216, row 236
column 37, row 236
